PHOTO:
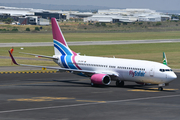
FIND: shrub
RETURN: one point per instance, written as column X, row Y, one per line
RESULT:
column 37, row 29
column 97, row 24
column 103, row 24
column 2, row 29
column 158, row 24
column 124, row 23
column 118, row 24
column 14, row 30
column 140, row 23
column 27, row 29
column 90, row 24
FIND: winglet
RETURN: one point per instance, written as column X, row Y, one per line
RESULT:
column 13, row 60
column 164, row 59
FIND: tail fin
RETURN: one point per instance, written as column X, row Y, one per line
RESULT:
column 60, row 45
column 164, row 59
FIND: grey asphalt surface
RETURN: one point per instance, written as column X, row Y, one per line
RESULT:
column 64, row 96
column 110, row 42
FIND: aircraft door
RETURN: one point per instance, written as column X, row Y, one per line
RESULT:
column 151, row 72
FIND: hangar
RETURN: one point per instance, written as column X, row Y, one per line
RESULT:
column 127, row 15
column 109, row 15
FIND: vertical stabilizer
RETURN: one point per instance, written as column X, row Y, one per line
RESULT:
column 164, row 59
column 60, row 45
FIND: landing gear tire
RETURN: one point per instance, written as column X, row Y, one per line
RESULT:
column 160, row 88
column 119, row 83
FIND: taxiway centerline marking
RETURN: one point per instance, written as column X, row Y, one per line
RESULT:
column 85, row 104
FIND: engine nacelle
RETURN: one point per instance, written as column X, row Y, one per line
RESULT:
column 100, row 79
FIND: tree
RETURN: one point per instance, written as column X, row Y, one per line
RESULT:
column 8, row 20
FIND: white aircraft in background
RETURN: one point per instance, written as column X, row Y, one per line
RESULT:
column 103, row 70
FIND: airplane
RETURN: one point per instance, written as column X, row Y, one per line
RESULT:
column 103, row 70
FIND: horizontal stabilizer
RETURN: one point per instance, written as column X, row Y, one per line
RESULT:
column 49, row 67
column 36, row 55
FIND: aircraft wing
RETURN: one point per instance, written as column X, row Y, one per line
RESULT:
column 58, row 68
column 86, row 72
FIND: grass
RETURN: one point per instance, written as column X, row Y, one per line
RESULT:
column 47, row 37
column 80, row 26
column 152, row 52
column 25, row 37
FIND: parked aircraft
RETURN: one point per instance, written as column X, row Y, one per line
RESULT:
column 103, row 70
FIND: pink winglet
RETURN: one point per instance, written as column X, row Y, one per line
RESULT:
column 57, row 34
column 14, row 61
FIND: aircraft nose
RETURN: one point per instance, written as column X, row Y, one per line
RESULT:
column 171, row 76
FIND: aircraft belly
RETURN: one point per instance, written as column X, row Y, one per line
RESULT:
column 129, row 76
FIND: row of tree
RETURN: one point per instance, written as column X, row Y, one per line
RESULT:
column 7, row 20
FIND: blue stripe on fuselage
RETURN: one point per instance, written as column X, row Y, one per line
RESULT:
column 69, row 62
column 63, row 61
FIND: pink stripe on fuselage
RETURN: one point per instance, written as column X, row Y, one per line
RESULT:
column 74, row 53
column 57, row 34
column 73, row 58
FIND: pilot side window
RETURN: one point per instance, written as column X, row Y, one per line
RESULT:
column 163, row 70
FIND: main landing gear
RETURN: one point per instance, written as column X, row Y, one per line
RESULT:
column 119, row 83
column 160, row 88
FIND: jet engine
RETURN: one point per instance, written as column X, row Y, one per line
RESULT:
column 100, row 79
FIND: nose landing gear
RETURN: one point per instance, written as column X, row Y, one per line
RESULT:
column 160, row 88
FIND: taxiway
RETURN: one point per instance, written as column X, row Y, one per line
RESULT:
column 64, row 96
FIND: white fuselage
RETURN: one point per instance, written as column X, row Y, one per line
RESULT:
column 126, row 69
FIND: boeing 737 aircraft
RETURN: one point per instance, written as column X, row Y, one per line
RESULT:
column 103, row 70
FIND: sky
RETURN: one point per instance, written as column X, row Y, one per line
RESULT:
column 150, row 4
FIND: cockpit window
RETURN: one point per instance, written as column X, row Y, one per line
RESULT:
column 163, row 70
